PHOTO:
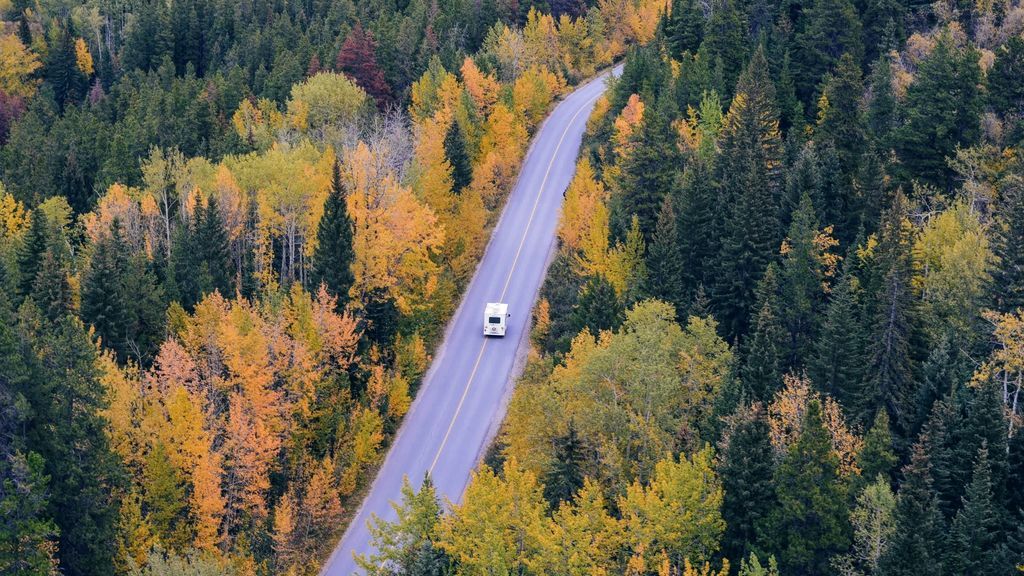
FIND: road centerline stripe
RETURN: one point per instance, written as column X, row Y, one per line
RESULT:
column 522, row 241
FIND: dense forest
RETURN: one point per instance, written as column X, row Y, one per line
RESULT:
column 231, row 234
column 783, row 332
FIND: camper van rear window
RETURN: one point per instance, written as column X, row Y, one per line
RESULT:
column 494, row 319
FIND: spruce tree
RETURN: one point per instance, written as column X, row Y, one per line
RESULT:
column 802, row 177
column 564, row 476
column 698, row 218
column 751, row 180
column 665, row 260
column 52, row 290
column 801, row 287
column 840, row 122
column 184, row 281
column 920, row 530
column 147, row 306
column 1007, row 285
column 724, row 39
column 61, row 68
column 830, row 29
column 881, row 111
column 836, row 366
column 761, row 371
column 597, row 308
column 685, row 29
column 889, row 371
column 648, row 171
column 884, row 28
column 105, row 298
column 84, row 472
column 1005, row 89
column 458, row 157
column 876, row 456
column 30, row 256
column 810, row 522
column 332, row 259
column 872, row 190
column 746, row 470
column 943, row 111
column 974, row 538
column 213, row 250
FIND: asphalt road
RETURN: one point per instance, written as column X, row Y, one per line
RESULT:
column 463, row 396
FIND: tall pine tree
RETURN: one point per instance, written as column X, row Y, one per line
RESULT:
column 665, row 260
column 332, row 259
column 751, row 180
column 810, row 523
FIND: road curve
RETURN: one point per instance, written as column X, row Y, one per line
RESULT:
column 463, row 395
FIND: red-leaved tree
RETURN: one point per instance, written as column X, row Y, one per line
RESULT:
column 357, row 59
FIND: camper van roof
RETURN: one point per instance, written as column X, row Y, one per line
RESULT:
column 496, row 309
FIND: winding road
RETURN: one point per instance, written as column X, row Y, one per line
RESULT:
column 464, row 394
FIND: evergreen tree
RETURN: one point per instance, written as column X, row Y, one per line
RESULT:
column 52, row 290
column 405, row 546
column 105, row 298
column 837, row 364
column 648, row 172
column 919, row 539
column 974, row 536
column 1015, row 477
column 751, row 183
column 791, row 109
column 564, row 477
column 810, row 522
column 889, row 371
column 841, row 123
column 724, row 36
column 943, row 111
column 61, row 68
column 697, row 232
column 685, row 29
column 803, row 177
column 665, row 260
column 1005, row 88
column 27, row 535
column 1007, row 287
column 801, row 287
column 830, row 29
column 84, row 472
column 30, row 256
column 872, row 191
column 876, row 457
column 184, row 279
column 458, row 157
column 881, row 110
column 213, row 250
column 380, row 316
column 597, row 308
column 332, row 259
column 762, row 371
column 746, row 470
column 884, row 27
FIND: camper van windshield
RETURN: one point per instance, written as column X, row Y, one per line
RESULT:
column 494, row 319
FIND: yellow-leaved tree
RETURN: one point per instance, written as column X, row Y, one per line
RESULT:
column 18, row 64
column 500, row 528
column 678, row 513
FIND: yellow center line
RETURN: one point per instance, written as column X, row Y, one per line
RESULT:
column 529, row 222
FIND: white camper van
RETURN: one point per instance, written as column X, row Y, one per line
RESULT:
column 495, row 315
